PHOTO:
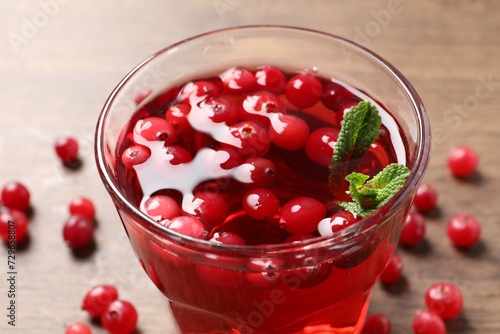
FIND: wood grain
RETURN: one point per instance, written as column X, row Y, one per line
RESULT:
column 61, row 59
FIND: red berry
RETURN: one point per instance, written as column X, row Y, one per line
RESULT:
column 413, row 229
column 377, row 324
column 320, row 145
column 155, row 129
column 289, row 132
column 310, row 275
column 220, row 110
column 263, row 172
column 238, row 80
column 15, row 196
column 264, row 273
column 77, row 328
column 78, row 231
column 444, row 299
column 177, row 116
column 260, row 106
column 82, row 206
column 161, row 207
column 426, row 322
column 253, row 139
column 462, row 161
column 336, row 222
column 210, row 208
column 301, row 215
column 187, row 225
column 303, row 90
column 235, row 159
column 135, row 155
column 194, row 92
column 176, row 155
column 13, row 225
column 227, row 238
column 463, row 230
column 98, row 298
column 335, row 96
column 260, row 203
column 341, row 110
column 120, row 317
column 67, row 149
column 270, row 79
column 393, row 270
column 425, row 198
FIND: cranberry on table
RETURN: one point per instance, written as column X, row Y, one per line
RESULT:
column 238, row 80
column 462, row 161
column 67, row 149
column 289, row 132
column 13, row 225
column 135, row 155
column 15, row 195
column 301, row 215
column 260, row 203
column 98, row 298
column 77, row 328
column 413, row 229
column 377, row 324
column 444, row 299
column 271, row 79
column 427, row 322
column 393, row 271
column 425, row 198
column 303, row 90
column 82, row 206
column 120, row 317
column 78, row 231
column 463, row 229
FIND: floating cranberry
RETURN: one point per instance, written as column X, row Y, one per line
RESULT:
column 210, row 208
column 194, row 92
column 289, row 132
column 444, row 299
column 334, row 96
column 238, row 80
column 320, row 145
column 413, row 229
column 263, row 172
column 15, row 196
column 260, row 203
column 393, row 271
column 98, row 298
column 303, row 90
column 463, row 229
column 227, row 238
column 161, row 207
column 462, row 161
column 187, row 225
column 67, row 149
column 77, row 328
column 377, row 324
column 271, row 79
column 301, row 215
column 13, row 225
column 259, row 107
column 78, row 231
column 220, row 110
column 265, row 273
column 253, row 139
column 336, row 222
column 120, row 317
column 235, row 159
column 425, row 198
column 309, row 276
column 135, row 155
column 341, row 110
column 155, row 129
column 177, row 116
column 82, row 206
column 426, row 322
column 177, row 155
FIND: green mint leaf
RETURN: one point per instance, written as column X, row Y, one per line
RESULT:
column 370, row 195
column 359, row 129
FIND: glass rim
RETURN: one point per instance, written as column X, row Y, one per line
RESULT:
column 420, row 161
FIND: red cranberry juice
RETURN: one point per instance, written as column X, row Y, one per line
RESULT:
column 241, row 158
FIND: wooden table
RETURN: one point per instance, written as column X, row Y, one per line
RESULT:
column 59, row 60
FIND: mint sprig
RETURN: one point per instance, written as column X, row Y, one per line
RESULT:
column 371, row 195
column 359, row 129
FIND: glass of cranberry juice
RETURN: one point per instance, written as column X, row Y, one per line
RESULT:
column 215, row 151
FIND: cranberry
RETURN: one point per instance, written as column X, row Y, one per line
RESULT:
column 235, row 159
column 444, row 299
column 195, row 91
column 413, row 229
column 289, row 132
column 210, row 208
column 120, row 317
column 98, row 298
column 320, row 145
column 220, row 110
column 253, row 139
column 425, row 198
column 377, row 324
column 260, row 203
column 303, row 91
column 425, row 322
column 238, row 80
column 177, row 155
column 78, row 231
column 374, row 160
column 336, row 222
column 15, row 196
column 187, row 225
column 67, row 149
column 161, row 207
column 271, row 79
column 13, row 225
column 82, row 206
column 155, row 129
column 264, row 274
column 462, row 161
column 77, row 328
column 393, row 270
column 301, row 215
column 177, row 116
column 335, row 95
column 341, row 110
column 463, row 230
column 227, row 238
column 259, row 106
column 311, row 275
column 135, row 155
column 263, row 172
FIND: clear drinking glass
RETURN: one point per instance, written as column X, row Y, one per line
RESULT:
column 324, row 283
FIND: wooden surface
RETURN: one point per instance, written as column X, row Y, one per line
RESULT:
column 59, row 60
